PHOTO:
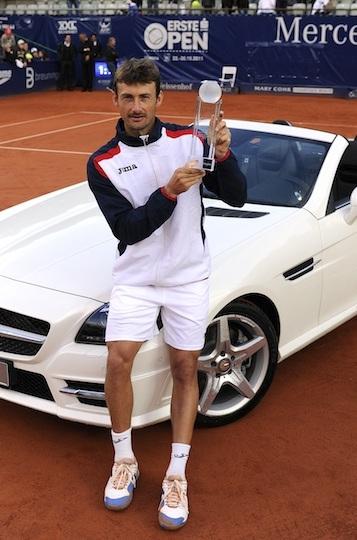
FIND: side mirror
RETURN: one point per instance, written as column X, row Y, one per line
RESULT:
column 351, row 210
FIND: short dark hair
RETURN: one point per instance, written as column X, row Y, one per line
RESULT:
column 138, row 71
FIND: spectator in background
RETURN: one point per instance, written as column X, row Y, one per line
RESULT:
column 132, row 7
column 281, row 7
column 27, row 52
column 196, row 7
column 86, row 54
column 10, row 54
column 153, row 6
column 266, row 7
column 111, row 56
column 21, row 54
column 96, row 46
column 8, row 39
column 42, row 55
column 66, row 55
column 208, row 5
column 227, row 5
column 243, row 6
column 73, row 5
column 34, row 52
column 323, row 7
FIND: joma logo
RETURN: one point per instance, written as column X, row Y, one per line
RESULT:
column 127, row 168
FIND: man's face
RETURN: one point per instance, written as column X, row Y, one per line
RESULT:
column 137, row 105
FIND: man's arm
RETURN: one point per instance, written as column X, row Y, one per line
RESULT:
column 226, row 180
column 129, row 224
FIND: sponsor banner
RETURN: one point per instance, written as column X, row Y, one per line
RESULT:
column 286, row 89
column 104, row 26
column 279, row 52
column 37, row 76
column 336, row 91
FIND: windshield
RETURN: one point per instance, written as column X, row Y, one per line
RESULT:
column 280, row 170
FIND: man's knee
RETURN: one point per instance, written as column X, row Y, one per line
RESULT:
column 119, row 359
column 184, row 367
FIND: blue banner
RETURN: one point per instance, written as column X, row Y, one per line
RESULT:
column 37, row 76
column 266, row 50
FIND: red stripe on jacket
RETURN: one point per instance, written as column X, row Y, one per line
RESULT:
column 107, row 155
column 187, row 131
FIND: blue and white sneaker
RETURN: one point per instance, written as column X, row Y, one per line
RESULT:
column 173, row 508
column 119, row 490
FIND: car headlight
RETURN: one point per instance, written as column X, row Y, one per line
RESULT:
column 93, row 330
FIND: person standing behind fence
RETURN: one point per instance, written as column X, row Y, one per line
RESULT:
column 66, row 55
column 86, row 55
column 111, row 56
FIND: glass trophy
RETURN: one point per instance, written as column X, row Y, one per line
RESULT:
column 208, row 107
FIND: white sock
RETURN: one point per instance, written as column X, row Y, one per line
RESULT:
column 122, row 445
column 179, row 457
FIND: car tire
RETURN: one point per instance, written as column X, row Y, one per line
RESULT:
column 237, row 363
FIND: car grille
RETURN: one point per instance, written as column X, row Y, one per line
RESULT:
column 13, row 329
column 23, row 322
column 18, row 347
column 31, row 384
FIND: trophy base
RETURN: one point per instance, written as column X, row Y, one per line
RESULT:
column 208, row 164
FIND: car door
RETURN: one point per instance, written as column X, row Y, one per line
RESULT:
column 339, row 242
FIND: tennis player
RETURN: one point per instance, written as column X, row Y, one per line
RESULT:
column 152, row 201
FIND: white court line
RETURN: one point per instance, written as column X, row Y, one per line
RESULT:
column 36, row 120
column 96, row 112
column 57, row 131
column 44, row 150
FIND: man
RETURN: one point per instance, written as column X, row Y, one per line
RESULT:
column 73, row 6
column 96, row 46
column 7, row 39
column 86, row 54
column 150, row 194
column 66, row 56
column 111, row 56
column 20, row 54
column 266, row 7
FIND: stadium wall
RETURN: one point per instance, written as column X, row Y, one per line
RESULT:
column 307, row 54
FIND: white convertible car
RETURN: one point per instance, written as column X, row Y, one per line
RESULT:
column 284, row 274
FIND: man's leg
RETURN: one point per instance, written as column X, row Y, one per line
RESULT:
column 118, row 387
column 184, row 394
column 173, row 510
column 119, row 396
column 184, row 317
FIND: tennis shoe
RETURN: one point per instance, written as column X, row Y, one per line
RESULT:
column 120, row 487
column 173, row 508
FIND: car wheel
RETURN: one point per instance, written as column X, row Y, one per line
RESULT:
column 237, row 363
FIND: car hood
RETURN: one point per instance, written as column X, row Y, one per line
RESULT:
column 62, row 242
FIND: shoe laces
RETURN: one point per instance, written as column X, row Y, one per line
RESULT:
column 122, row 475
column 175, row 493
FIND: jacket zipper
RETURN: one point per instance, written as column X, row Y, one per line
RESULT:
column 145, row 139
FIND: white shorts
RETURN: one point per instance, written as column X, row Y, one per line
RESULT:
column 133, row 314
